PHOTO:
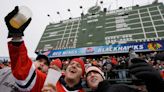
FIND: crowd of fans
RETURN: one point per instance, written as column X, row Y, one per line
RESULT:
column 114, row 67
column 108, row 63
column 4, row 63
column 77, row 73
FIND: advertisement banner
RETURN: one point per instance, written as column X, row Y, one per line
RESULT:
column 108, row 49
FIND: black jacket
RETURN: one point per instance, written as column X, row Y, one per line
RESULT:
column 105, row 86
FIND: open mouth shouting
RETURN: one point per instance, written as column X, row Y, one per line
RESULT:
column 73, row 71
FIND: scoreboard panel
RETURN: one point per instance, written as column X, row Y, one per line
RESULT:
column 100, row 28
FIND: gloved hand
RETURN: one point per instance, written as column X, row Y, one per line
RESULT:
column 148, row 74
column 103, row 86
column 13, row 32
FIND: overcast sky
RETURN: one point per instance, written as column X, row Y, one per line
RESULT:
column 40, row 9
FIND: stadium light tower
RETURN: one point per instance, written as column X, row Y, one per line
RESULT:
column 59, row 16
column 50, row 18
column 101, row 2
column 70, row 13
column 82, row 13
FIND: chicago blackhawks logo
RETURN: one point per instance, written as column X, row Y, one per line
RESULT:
column 154, row 46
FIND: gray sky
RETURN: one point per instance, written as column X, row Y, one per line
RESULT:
column 40, row 9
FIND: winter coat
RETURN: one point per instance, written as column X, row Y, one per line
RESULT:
column 105, row 86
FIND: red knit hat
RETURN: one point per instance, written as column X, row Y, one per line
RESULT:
column 79, row 60
column 57, row 62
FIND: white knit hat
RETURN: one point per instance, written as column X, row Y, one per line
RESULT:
column 94, row 68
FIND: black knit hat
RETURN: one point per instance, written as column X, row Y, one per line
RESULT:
column 43, row 57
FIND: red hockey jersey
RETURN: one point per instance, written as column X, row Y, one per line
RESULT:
column 27, row 77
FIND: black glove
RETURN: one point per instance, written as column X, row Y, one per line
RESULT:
column 148, row 74
column 103, row 86
column 14, row 31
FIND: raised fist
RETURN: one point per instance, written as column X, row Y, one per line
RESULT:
column 14, row 32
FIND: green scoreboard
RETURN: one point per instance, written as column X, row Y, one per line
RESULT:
column 101, row 28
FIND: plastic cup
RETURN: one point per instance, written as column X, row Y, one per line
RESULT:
column 21, row 17
column 52, row 77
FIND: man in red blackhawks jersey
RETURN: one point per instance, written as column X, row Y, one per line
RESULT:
column 30, row 79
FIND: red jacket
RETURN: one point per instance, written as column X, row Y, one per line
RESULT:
column 28, row 78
